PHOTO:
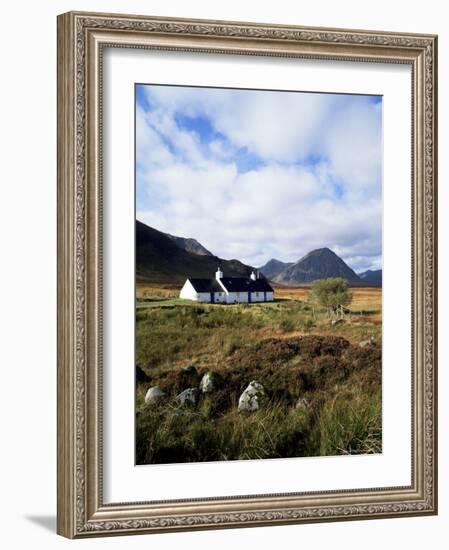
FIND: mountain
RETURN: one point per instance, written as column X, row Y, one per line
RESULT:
column 273, row 268
column 160, row 259
column 191, row 245
column 372, row 277
column 318, row 264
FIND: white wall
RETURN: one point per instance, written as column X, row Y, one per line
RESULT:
column 220, row 296
column 257, row 297
column 261, row 297
column 240, row 297
column 204, row 296
column 28, row 230
column 188, row 292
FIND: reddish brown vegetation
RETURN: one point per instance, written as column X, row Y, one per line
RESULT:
column 288, row 368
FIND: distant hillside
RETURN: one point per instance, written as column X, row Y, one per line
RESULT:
column 272, row 268
column 191, row 245
column 372, row 277
column 318, row 264
column 160, row 259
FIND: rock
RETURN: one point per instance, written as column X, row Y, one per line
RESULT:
column 154, row 395
column 188, row 397
column 302, row 404
column 207, row 383
column 141, row 376
column 190, row 369
column 252, row 398
column 210, row 382
column 366, row 343
column 336, row 322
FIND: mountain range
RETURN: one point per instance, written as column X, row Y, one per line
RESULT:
column 273, row 268
column 165, row 258
column 191, row 245
column 317, row 264
column 372, row 277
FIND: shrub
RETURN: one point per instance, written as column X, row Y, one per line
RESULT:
column 332, row 293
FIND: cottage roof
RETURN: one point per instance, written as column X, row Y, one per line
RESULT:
column 261, row 285
column 243, row 284
column 205, row 285
column 232, row 284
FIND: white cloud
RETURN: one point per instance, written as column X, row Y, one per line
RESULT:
column 282, row 207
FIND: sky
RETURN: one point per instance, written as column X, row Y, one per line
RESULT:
column 255, row 174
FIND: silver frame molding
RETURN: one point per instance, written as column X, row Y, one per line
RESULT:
column 81, row 38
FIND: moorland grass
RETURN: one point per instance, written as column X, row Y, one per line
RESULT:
column 291, row 347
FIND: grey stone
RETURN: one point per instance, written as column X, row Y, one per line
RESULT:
column 302, row 404
column 367, row 343
column 188, row 397
column 154, row 395
column 252, row 398
column 208, row 383
column 336, row 322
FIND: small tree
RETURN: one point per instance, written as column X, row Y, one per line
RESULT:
column 333, row 294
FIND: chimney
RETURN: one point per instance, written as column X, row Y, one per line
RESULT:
column 253, row 276
column 219, row 274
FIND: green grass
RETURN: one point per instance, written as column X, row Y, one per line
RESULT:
column 348, row 425
column 161, row 302
column 173, row 435
column 290, row 347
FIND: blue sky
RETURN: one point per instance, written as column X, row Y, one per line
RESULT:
column 255, row 174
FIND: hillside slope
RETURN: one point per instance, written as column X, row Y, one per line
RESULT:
column 273, row 267
column 372, row 277
column 190, row 245
column 160, row 259
column 317, row 264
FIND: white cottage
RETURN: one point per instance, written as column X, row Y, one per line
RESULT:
column 229, row 290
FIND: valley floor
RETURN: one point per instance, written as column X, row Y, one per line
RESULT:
column 322, row 389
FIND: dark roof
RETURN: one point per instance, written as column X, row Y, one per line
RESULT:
column 232, row 284
column 206, row 285
column 261, row 285
column 237, row 284
column 242, row 284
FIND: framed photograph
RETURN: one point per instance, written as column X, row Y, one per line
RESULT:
column 246, row 274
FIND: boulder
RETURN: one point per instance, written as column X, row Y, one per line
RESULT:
column 154, row 395
column 302, row 404
column 252, row 398
column 210, row 382
column 207, row 383
column 188, row 397
column 336, row 322
column 367, row 343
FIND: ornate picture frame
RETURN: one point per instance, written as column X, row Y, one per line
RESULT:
column 82, row 39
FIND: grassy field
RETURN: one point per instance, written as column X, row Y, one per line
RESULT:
column 290, row 346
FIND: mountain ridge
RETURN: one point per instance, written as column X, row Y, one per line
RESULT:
column 273, row 267
column 165, row 258
column 190, row 245
column 320, row 263
column 160, row 259
column 372, row 276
